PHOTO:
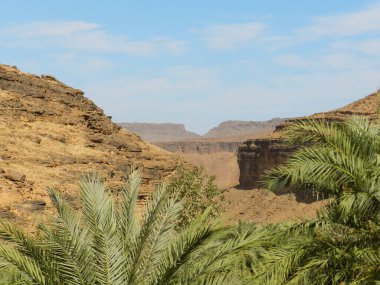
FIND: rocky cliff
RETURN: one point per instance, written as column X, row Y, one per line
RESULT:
column 258, row 154
column 159, row 132
column 50, row 134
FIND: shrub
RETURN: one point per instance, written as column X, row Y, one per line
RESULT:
column 196, row 191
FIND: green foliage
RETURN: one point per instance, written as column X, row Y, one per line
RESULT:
column 107, row 244
column 196, row 191
column 11, row 277
column 342, row 246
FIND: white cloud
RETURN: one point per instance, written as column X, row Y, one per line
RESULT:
column 200, row 97
column 358, row 26
column 85, row 36
column 370, row 47
column 179, row 92
column 83, row 66
column 175, row 82
column 328, row 61
column 348, row 24
column 38, row 29
column 294, row 60
column 295, row 95
column 231, row 36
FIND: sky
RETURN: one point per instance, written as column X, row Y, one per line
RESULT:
column 200, row 62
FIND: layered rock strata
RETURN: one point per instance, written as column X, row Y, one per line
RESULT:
column 51, row 134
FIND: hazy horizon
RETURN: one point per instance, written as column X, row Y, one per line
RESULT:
column 200, row 63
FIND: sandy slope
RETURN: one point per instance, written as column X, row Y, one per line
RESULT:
column 257, row 205
column 221, row 164
column 262, row 206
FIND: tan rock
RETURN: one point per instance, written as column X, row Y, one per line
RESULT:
column 45, row 131
column 14, row 175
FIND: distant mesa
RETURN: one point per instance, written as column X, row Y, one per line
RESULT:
column 155, row 132
column 168, row 132
column 240, row 128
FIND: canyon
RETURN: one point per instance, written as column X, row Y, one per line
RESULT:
column 51, row 134
column 215, row 151
column 239, row 161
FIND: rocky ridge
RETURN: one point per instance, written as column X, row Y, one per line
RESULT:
column 50, row 134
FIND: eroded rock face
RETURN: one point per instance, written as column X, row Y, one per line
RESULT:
column 257, row 155
column 52, row 134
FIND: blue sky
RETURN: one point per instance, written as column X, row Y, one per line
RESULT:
column 200, row 62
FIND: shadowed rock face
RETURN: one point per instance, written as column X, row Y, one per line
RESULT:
column 50, row 134
column 257, row 155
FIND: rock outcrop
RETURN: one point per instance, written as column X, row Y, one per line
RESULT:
column 259, row 154
column 50, row 134
column 159, row 132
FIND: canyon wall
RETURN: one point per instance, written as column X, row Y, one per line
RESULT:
column 257, row 155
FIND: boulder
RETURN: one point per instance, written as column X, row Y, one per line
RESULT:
column 14, row 175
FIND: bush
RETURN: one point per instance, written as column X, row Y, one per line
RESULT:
column 11, row 277
column 196, row 191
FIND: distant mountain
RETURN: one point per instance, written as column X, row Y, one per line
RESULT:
column 153, row 132
column 239, row 128
column 169, row 132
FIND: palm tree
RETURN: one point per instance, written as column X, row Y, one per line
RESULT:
column 108, row 244
column 342, row 245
